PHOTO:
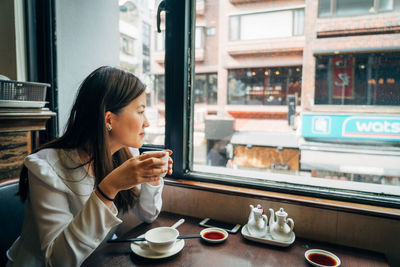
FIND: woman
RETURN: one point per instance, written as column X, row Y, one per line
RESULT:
column 77, row 186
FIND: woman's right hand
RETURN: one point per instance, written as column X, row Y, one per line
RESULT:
column 141, row 169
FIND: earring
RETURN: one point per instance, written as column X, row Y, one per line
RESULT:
column 109, row 128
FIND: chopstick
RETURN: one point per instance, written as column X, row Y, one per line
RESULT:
column 120, row 240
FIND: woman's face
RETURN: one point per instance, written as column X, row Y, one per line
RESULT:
column 128, row 125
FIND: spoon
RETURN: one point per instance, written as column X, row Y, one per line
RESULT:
column 142, row 239
column 178, row 223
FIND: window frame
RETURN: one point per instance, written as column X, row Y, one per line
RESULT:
column 41, row 51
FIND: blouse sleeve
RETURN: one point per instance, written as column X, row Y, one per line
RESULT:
column 65, row 239
column 150, row 202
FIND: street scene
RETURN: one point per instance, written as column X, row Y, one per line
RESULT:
column 303, row 95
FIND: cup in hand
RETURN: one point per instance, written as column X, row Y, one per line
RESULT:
column 164, row 158
column 161, row 239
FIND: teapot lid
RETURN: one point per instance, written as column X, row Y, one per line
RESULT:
column 281, row 212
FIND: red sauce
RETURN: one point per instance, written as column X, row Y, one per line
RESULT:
column 214, row 235
column 322, row 259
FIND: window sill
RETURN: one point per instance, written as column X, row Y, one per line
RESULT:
column 362, row 209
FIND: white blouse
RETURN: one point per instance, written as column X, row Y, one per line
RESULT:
column 67, row 221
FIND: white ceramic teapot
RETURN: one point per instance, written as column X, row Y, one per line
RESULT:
column 257, row 224
column 281, row 229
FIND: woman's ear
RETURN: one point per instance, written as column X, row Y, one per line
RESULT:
column 108, row 116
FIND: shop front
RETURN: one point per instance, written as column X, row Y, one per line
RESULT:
column 355, row 147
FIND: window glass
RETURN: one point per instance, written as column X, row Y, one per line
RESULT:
column 210, row 31
column 205, row 88
column 324, row 7
column 385, row 5
column 298, row 24
column 269, row 108
column 264, row 25
column 358, row 79
column 199, row 37
column 160, row 40
column 263, row 86
column 145, row 58
column 259, row 26
column 354, row 7
column 234, row 29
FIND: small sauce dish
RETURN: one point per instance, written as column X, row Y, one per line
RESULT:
column 214, row 235
column 322, row 258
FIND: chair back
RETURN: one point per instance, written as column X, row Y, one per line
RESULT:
column 11, row 216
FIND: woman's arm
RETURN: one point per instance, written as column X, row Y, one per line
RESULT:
column 149, row 204
column 65, row 239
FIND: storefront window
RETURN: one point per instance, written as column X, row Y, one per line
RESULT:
column 358, row 79
column 205, row 88
column 263, row 86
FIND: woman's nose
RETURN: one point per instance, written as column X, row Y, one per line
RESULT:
column 146, row 122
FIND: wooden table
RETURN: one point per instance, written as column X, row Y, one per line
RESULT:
column 235, row 251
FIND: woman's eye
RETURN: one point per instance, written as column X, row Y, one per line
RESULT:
column 141, row 112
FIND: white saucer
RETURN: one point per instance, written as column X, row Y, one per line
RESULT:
column 267, row 239
column 144, row 251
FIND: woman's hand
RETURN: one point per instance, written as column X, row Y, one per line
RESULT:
column 145, row 168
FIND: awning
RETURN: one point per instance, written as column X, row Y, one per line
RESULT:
column 377, row 161
column 270, row 139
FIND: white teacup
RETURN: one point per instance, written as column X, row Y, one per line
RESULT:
column 161, row 239
column 165, row 159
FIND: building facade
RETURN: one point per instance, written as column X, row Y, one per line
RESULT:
column 304, row 86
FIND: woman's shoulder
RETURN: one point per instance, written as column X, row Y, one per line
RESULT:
column 58, row 168
column 42, row 158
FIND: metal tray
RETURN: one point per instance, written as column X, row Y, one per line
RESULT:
column 21, row 104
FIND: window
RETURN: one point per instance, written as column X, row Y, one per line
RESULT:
column 127, row 45
column 263, row 86
column 358, row 79
column 136, row 25
column 353, row 7
column 205, row 88
column 160, row 40
column 274, row 24
column 247, row 137
column 199, row 40
column 259, row 116
column 211, row 31
column 146, row 47
column 146, row 39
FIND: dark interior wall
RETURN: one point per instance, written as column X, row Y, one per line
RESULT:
column 8, row 63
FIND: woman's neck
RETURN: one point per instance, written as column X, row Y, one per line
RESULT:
column 85, row 158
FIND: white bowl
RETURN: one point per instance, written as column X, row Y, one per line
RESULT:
column 214, row 235
column 321, row 253
column 161, row 239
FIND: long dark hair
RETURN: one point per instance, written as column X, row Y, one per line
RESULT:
column 105, row 89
